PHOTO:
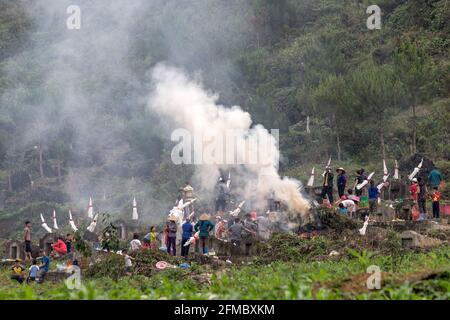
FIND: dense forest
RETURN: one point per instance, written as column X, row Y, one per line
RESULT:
column 73, row 116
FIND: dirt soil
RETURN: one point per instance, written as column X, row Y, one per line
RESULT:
column 357, row 283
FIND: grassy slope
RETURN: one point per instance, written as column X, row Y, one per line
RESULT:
column 411, row 276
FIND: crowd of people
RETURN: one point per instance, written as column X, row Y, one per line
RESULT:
column 421, row 190
column 61, row 247
column 233, row 230
column 36, row 272
column 229, row 226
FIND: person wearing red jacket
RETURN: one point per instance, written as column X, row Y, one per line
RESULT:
column 436, row 197
column 59, row 246
column 413, row 190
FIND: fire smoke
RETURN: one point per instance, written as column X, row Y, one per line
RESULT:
column 186, row 103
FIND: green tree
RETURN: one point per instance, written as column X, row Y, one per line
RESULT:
column 415, row 69
column 331, row 100
column 374, row 94
column 59, row 151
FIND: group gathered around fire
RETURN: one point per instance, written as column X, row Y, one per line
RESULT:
column 234, row 227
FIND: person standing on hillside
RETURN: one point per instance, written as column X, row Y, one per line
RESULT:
column 414, row 189
column 27, row 240
column 360, row 178
column 235, row 231
column 187, row 229
column 341, row 181
column 436, row 197
column 263, row 227
column 249, row 232
column 422, row 198
column 374, row 193
column 434, row 178
column 172, row 229
column 204, row 226
column 128, row 262
column 327, row 185
column 222, row 196
column 153, row 238
column 220, row 229
column 135, row 244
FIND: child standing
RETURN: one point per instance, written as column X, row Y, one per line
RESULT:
column 153, row 238
column 128, row 263
column 135, row 244
column 436, row 197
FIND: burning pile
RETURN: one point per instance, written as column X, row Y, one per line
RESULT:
column 255, row 156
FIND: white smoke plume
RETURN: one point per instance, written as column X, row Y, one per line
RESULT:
column 186, row 103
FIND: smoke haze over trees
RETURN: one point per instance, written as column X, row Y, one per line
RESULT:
column 74, row 119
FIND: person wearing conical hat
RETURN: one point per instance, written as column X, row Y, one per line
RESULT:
column 341, row 181
column 204, row 226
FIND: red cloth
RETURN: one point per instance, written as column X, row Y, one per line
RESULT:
column 415, row 215
column 60, row 247
column 436, row 196
column 220, row 229
column 413, row 191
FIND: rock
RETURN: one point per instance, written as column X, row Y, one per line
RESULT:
column 412, row 239
column 334, row 253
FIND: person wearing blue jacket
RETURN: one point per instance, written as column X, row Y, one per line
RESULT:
column 435, row 178
column 374, row 193
column 187, row 229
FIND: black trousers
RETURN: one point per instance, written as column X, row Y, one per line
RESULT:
column 341, row 190
column 204, row 243
column 436, row 213
column 184, row 249
column 422, row 206
column 221, row 205
column 327, row 191
column 171, row 244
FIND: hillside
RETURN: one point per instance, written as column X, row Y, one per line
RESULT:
column 74, row 122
